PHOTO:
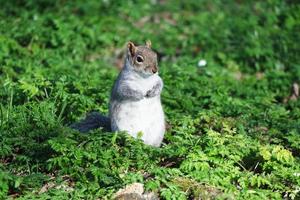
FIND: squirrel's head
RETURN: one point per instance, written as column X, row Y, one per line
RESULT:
column 142, row 59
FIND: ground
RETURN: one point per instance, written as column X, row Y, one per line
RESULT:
column 231, row 72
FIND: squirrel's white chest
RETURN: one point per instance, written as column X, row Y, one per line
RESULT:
column 145, row 116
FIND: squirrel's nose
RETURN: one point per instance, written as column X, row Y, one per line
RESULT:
column 154, row 69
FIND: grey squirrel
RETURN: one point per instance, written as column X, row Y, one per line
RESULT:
column 135, row 105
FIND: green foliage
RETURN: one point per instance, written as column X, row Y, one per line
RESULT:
column 234, row 132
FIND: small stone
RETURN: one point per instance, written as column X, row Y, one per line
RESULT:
column 202, row 63
column 130, row 196
column 134, row 192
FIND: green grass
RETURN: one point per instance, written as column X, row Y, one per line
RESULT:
column 234, row 134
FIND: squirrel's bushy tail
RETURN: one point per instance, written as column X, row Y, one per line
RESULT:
column 92, row 121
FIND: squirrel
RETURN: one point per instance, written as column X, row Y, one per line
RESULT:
column 135, row 103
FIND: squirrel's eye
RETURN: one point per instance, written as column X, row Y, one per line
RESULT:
column 139, row 59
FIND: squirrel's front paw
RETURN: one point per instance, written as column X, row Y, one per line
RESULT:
column 154, row 91
column 150, row 93
column 139, row 96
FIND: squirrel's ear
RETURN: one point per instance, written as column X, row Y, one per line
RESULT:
column 131, row 48
column 148, row 44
